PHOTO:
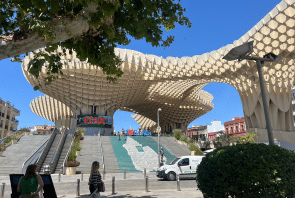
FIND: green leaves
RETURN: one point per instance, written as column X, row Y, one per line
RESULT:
column 247, row 170
column 109, row 26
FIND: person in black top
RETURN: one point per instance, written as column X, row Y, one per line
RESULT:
column 95, row 177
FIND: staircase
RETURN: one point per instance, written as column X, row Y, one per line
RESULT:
column 137, row 153
column 16, row 154
column 173, row 146
column 110, row 159
column 89, row 153
column 50, row 152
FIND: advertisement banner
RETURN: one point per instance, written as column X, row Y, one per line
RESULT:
column 94, row 121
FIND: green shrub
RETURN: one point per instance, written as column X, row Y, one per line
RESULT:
column 76, row 147
column 72, row 155
column 77, row 140
column 14, row 138
column 191, row 141
column 7, row 140
column 177, row 134
column 2, row 147
column 247, row 170
column 183, row 138
column 193, row 147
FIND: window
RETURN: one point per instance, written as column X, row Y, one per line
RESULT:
column 232, row 129
column 184, row 162
column 237, row 129
column 242, row 127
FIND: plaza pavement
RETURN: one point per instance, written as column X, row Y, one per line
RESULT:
column 132, row 186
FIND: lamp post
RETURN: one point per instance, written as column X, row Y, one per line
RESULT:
column 242, row 52
column 158, row 137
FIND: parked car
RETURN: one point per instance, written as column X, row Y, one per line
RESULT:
column 184, row 166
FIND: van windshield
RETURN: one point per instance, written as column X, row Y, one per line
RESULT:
column 174, row 161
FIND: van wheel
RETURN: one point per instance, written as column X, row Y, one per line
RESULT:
column 171, row 176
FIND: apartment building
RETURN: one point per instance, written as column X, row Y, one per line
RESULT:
column 236, row 127
column 8, row 123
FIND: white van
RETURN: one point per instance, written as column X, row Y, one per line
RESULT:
column 185, row 166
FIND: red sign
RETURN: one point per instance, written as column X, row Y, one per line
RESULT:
column 130, row 132
column 94, row 120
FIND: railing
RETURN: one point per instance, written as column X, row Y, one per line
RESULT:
column 102, row 156
column 16, row 110
column 57, row 151
column 34, row 159
column 46, row 150
column 16, row 121
column 70, row 148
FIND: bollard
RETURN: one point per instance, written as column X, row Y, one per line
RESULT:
column 113, row 185
column 144, row 172
column 103, row 175
column 81, row 175
column 124, row 173
column 78, row 187
column 146, row 184
column 3, row 189
column 178, row 183
column 59, row 174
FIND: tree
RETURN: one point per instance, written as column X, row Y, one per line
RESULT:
column 92, row 28
column 227, row 140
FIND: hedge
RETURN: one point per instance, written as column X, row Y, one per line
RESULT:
column 247, row 170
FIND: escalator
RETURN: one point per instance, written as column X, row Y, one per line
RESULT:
column 56, row 151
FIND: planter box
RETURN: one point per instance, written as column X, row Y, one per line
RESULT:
column 13, row 141
column 70, row 170
column 1, row 153
column 27, row 133
column 78, row 153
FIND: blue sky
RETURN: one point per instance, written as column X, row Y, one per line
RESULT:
column 214, row 25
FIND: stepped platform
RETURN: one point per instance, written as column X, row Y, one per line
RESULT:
column 173, row 146
column 137, row 153
column 16, row 154
column 90, row 152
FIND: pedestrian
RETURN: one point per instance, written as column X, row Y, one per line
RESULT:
column 162, row 153
column 118, row 136
column 28, row 184
column 95, row 178
column 124, row 133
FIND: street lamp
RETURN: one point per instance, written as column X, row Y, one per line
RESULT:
column 242, row 52
column 158, row 138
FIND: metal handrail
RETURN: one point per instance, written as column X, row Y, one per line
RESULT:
column 102, row 156
column 38, row 151
column 70, row 148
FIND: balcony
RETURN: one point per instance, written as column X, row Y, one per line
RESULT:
column 16, row 121
column 16, row 111
column 7, row 117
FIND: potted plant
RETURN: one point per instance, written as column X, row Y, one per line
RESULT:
column 14, row 140
column 71, row 167
column 2, row 149
column 78, row 149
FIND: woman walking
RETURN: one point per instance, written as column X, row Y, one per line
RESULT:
column 28, row 185
column 95, row 177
